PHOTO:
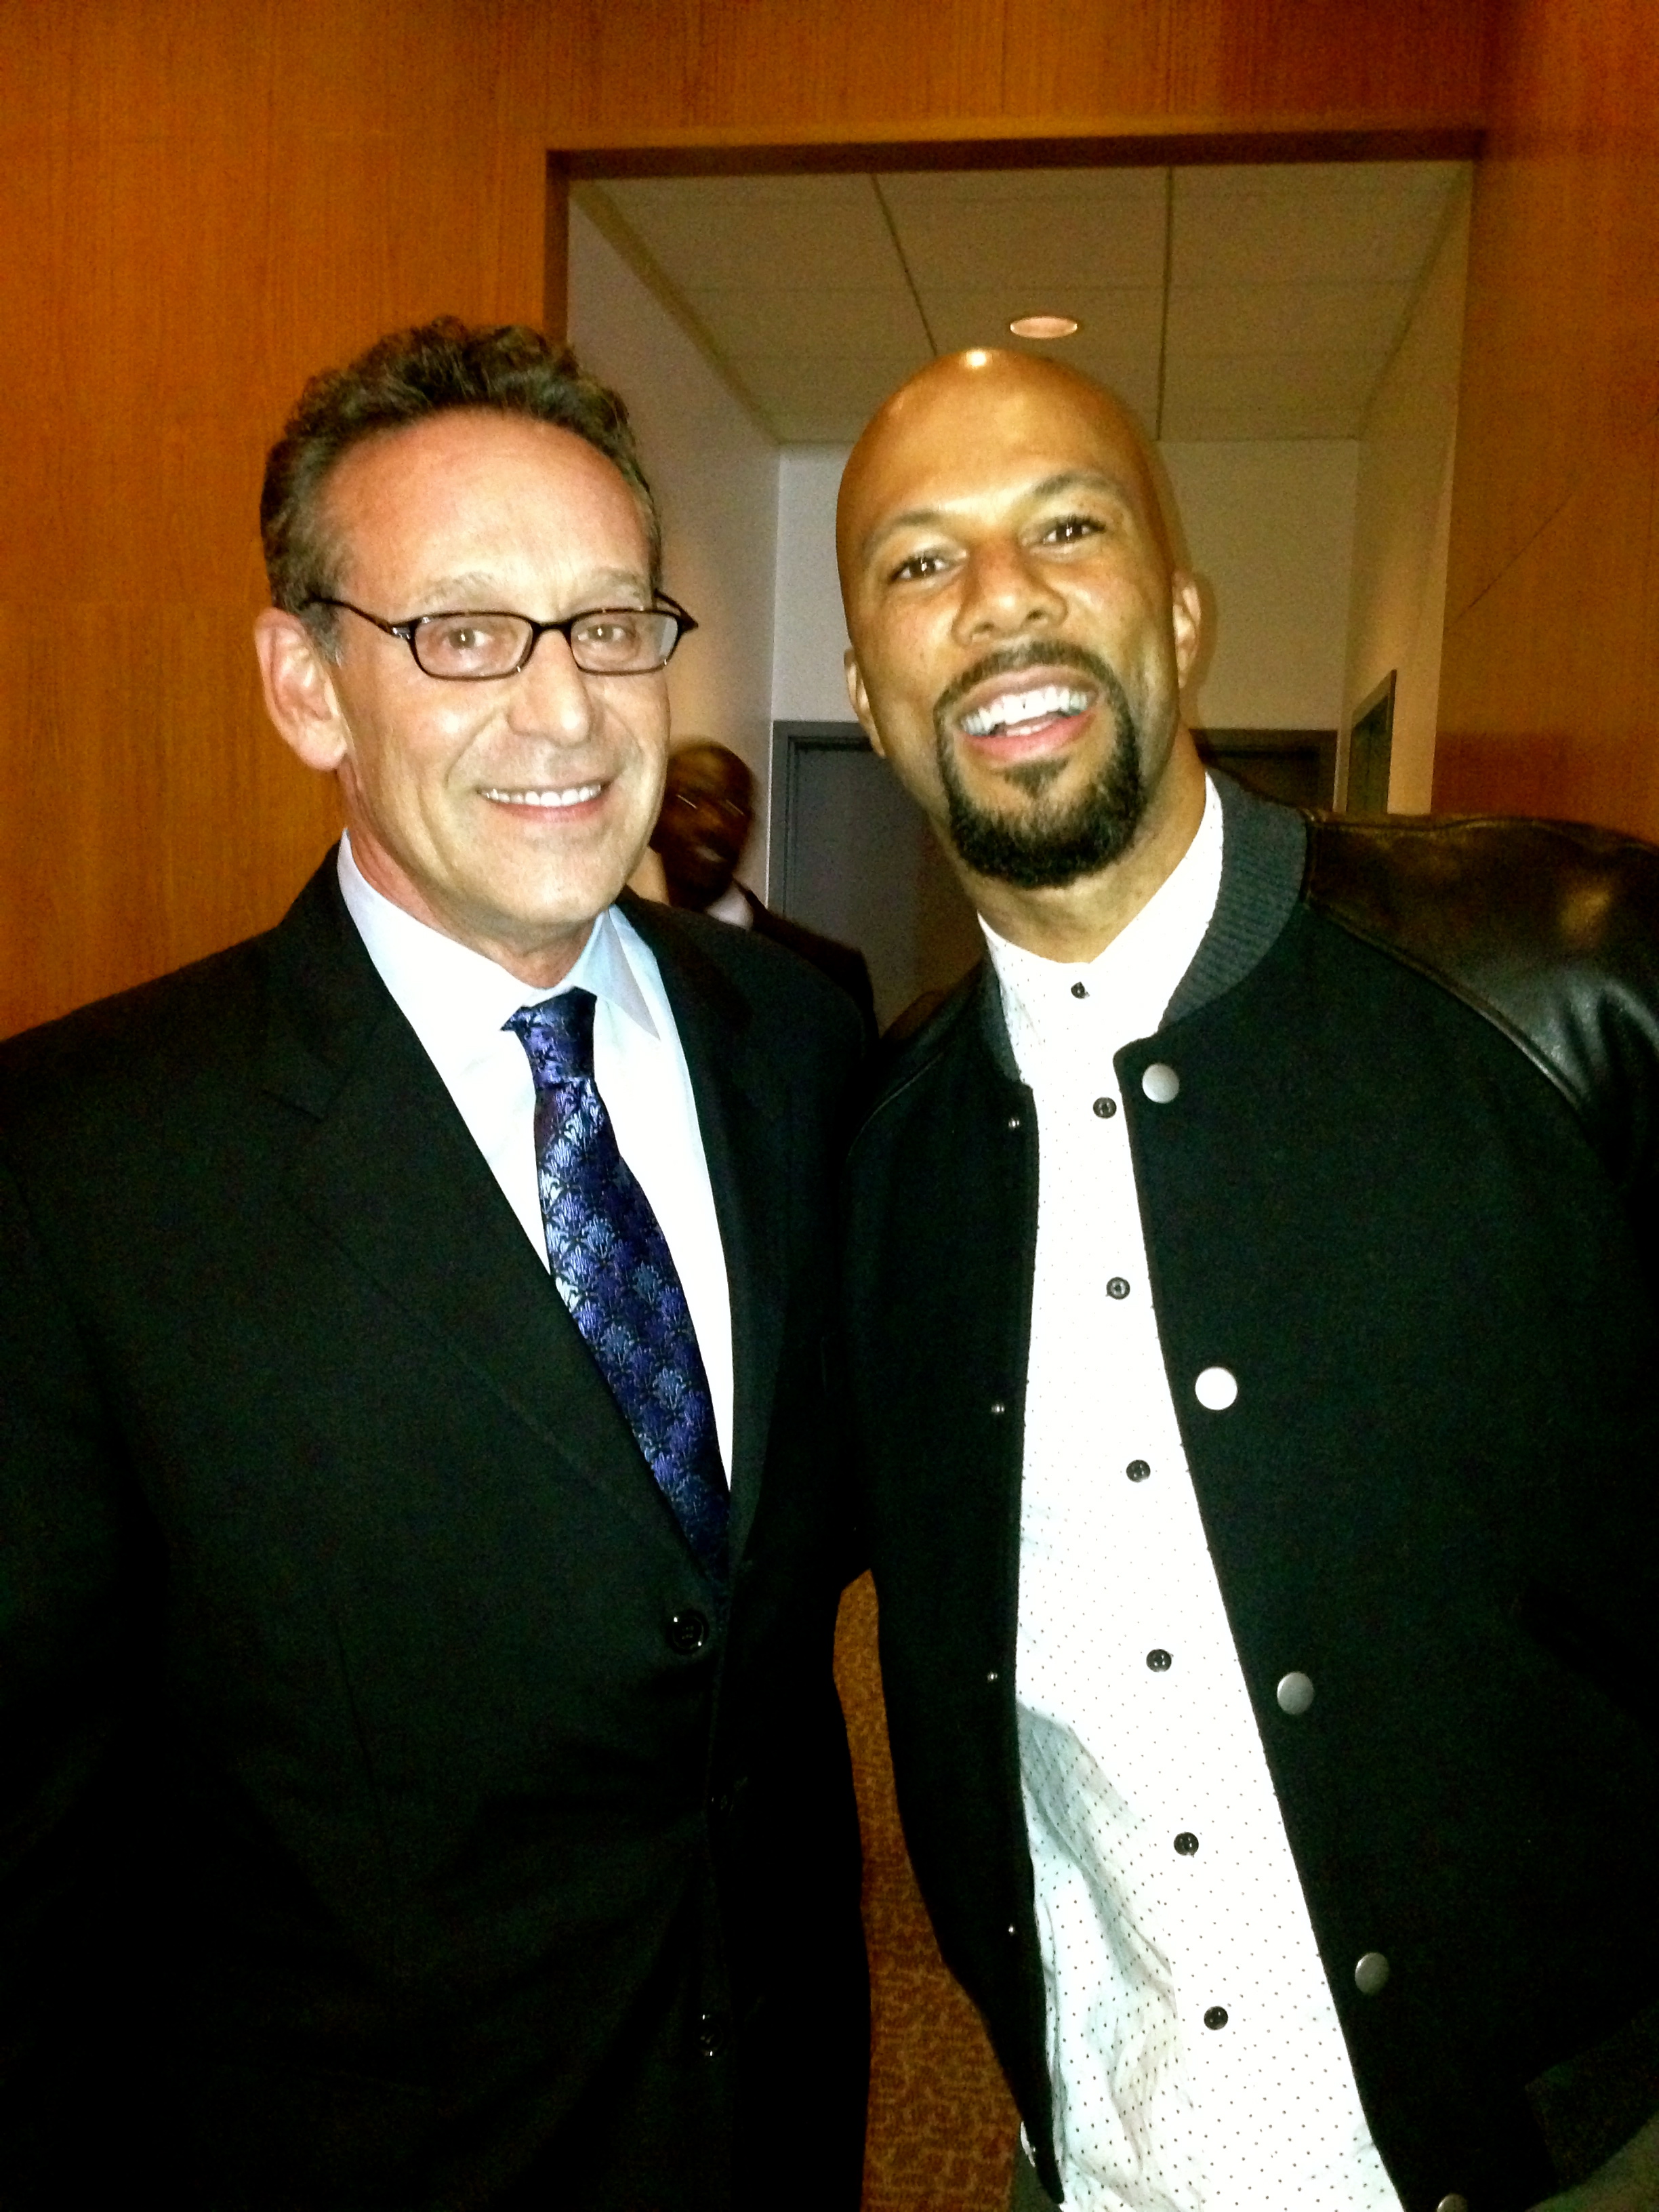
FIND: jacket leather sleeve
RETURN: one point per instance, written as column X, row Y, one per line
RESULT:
column 1549, row 929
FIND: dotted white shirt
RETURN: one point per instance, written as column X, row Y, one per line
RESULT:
column 1165, row 1888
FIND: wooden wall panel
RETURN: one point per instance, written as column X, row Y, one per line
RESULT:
column 209, row 201
column 670, row 73
column 1550, row 686
column 1562, row 333
column 1549, row 699
column 206, row 200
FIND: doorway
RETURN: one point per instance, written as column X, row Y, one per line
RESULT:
column 854, row 857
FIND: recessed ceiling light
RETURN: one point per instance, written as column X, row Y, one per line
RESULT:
column 1044, row 326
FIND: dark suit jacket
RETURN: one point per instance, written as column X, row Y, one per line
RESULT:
column 391, row 1813
column 1405, row 1192
column 844, row 964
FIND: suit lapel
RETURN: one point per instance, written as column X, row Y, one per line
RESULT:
column 742, row 1119
column 392, row 1175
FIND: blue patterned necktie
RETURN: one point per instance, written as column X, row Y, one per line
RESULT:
column 613, row 1269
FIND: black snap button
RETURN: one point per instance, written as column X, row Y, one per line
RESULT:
column 1105, row 1108
column 1137, row 1470
column 1186, row 1842
column 1117, row 1288
column 1159, row 1661
column 1216, row 2016
column 688, row 1631
column 711, row 2036
column 1079, row 991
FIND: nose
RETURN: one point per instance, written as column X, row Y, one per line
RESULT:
column 549, row 695
column 1005, row 594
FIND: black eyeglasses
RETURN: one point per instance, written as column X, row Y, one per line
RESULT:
column 698, row 803
column 483, row 643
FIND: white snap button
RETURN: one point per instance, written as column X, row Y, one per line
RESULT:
column 1215, row 1389
column 1160, row 1083
column 1295, row 1693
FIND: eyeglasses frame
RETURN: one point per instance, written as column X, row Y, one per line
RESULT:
column 661, row 604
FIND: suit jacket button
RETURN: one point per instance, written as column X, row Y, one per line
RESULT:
column 1370, row 1973
column 688, row 1631
column 1452, row 2203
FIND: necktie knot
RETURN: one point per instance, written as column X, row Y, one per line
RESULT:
column 557, row 1035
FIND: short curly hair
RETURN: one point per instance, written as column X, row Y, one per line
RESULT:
column 405, row 377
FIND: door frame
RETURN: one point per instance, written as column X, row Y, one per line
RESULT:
column 791, row 740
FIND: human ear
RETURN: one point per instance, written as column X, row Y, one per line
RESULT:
column 300, row 694
column 860, row 697
column 1187, row 619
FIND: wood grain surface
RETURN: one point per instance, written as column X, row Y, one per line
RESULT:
column 1550, row 683
column 208, row 200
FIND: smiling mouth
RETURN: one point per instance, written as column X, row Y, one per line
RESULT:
column 548, row 801
column 1016, row 712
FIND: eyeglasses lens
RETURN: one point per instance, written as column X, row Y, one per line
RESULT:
column 466, row 648
column 623, row 644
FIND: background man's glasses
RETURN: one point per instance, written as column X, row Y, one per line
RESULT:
column 476, row 647
column 709, row 809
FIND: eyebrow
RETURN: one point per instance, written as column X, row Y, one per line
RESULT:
column 922, row 517
column 476, row 582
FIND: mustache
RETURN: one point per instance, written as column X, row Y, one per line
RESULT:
column 1009, row 659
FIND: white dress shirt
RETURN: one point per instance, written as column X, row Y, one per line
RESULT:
column 732, row 905
column 1142, row 1937
column 456, row 1000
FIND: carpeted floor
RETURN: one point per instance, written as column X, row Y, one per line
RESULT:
column 942, row 2124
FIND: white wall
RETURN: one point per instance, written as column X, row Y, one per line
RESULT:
column 1403, row 520
column 809, row 633
column 1271, row 531
column 715, row 474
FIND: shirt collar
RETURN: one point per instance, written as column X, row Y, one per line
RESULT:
column 1126, row 987
column 450, row 993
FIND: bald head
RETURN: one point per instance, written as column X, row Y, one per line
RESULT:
column 1020, row 638
column 985, row 400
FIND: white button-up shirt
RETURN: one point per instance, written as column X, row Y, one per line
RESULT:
column 456, row 1000
column 1166, row 1890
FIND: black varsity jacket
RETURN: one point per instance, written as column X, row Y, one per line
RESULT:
column 1406, row 1193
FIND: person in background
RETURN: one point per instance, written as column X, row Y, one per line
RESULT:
column 422, row 1521
column 708, row 811
column 1253, row 1332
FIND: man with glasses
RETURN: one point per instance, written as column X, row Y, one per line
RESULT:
column 420, row 1519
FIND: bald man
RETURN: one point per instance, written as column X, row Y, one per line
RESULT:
column 1250, row 1271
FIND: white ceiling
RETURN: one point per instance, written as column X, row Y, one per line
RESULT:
column 1227, row 302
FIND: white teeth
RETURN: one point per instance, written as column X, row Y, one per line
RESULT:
column 572, row 798
column 1024, row 706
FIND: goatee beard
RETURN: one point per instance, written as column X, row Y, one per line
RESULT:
column 1046, row 846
